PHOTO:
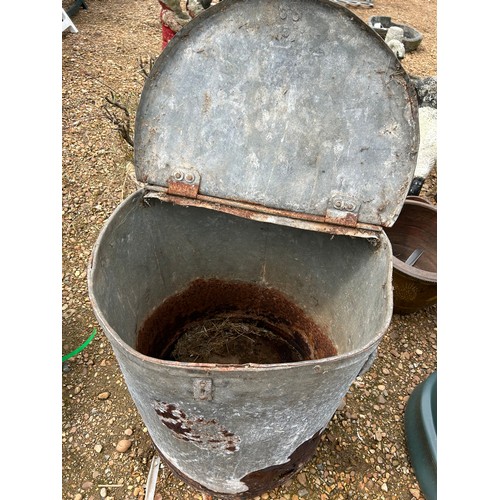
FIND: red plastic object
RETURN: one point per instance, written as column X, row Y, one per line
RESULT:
column 166, row 33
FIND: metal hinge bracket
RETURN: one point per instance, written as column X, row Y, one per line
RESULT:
column 341, row 218
column 184, row 182
column 343, row 210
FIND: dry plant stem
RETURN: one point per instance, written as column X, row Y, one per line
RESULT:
column 121, row 124
column 146, row 65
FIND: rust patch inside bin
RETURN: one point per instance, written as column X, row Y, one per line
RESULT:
column 224, row 322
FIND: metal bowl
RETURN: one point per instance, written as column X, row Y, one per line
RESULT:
column 414, row 245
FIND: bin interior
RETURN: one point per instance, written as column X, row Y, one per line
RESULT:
column 151, row 251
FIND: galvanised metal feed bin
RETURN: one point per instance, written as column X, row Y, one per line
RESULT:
column 249, row 283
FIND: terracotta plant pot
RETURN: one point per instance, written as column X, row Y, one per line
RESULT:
column 418, row 198
column 414, row 235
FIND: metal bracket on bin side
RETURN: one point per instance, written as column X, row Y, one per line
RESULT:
column 203, row 389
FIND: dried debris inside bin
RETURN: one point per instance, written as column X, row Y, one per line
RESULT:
column 232, row 340
column 215, row 321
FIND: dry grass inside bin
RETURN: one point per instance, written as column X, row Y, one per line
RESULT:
column 229, row 340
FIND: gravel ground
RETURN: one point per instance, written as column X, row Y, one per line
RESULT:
column 106, row 450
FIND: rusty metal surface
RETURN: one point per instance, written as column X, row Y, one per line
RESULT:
column 274, row 216
column 254, row 303
column 292, row 105
column 237, row 430
column 252, row 426
column 258, row 482
column 184, row 182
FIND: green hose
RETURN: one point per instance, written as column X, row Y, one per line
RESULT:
column 81, row 348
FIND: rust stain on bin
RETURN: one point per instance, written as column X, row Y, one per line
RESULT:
column 205, row 298
column 259, row 481
column 253, row 211
column 182, row 189
column 203, row 433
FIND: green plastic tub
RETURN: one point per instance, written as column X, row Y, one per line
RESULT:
column 421, row 434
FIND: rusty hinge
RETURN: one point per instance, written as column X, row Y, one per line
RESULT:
column 184, row 182
column 343, row 210
column 340, row 218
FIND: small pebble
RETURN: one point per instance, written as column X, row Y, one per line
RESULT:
column 103, row 395
column 103, row 492
column 98, row 448
column 87, row 485
column 128, row 432
column 123, row 445
column 78, row 496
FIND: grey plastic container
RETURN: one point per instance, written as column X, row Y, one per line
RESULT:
column 275, row 140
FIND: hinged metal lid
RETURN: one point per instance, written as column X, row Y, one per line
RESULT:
column 291, row 107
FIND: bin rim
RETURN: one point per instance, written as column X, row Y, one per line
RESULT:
column 109, row 331
column 222, row 367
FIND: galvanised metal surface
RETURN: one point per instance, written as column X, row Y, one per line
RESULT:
column 295, row 105
column 275, row 138
column 238, row 429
